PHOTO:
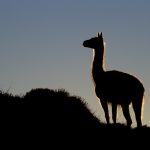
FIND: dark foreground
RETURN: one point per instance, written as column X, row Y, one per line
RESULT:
column 53, row 118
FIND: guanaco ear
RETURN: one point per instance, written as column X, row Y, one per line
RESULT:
column 99, row 35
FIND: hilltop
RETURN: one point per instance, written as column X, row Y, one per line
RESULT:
column 55, row 114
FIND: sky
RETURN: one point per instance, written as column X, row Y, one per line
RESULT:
column 41, row 45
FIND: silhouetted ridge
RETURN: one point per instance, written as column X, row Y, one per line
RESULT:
column 43, row 113
column 55, row 108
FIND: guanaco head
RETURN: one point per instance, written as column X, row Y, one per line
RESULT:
column 95, row 42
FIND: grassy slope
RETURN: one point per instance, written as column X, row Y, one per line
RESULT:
column 54, row 113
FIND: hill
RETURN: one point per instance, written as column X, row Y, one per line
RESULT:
column 44, row 114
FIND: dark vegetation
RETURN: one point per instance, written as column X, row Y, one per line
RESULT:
column 55, row 115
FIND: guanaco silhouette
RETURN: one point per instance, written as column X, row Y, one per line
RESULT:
column 115, row 87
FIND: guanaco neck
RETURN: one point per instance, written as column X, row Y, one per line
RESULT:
column 97, row 65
